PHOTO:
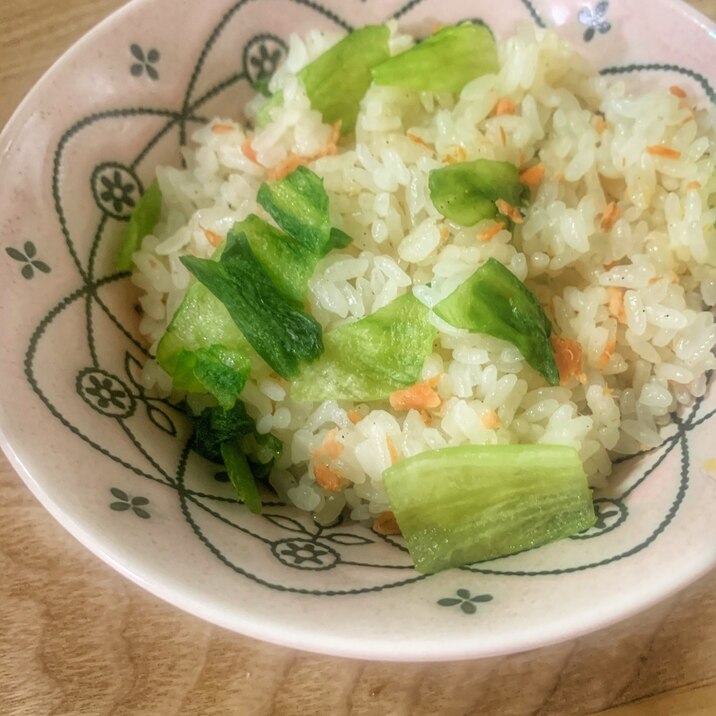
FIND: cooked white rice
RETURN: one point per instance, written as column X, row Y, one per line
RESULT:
column 661, row 347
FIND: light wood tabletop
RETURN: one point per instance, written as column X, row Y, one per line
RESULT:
column 76, row 638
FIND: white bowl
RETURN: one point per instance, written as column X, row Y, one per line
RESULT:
column 111, row 463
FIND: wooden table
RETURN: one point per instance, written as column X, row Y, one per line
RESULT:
column 76, row 638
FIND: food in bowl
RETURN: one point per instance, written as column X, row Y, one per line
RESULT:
column 439, row 285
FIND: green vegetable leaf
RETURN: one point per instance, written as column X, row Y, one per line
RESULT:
column 494, row 301
column 141, row 223
column 283, row 335
column 466, row 192
column 371, row 358
column 264, row 115
column 216, row 370
column 216, row 426
column 443, row 62
column 288, row 263
column 336, row 81
column 459, row 505
column 203, row 349
column 241, row 477
column 299, row 205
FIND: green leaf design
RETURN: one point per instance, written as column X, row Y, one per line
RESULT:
column 119, row 506
column 468, row 607
column 136, row 501
column 120, row 494
column 463, row 593
column 448, row 602
column 141, row 513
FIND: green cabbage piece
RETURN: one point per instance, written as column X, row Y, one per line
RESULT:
column 466, row 192
column 141, row 223
column 444, row 62
column 371, row 358
column 459, row 505
column 494, row 301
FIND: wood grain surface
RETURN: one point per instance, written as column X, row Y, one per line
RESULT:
column 76, row 638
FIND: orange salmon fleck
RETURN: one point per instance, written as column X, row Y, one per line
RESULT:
column 616, row 303
column 437, row 27
column 212, row 237
column 248, row 151
column 659, row 150
column 444, row 234
column 503, row 136
column 294, row 161
column 487, row 234
column 611, row 265
column 459, row 155
column 386, row 524
column 600, row 124
column 222, row 128
column 330, row 480
column 392, row 450
column 490, row 420
column 568, row 357
column 688, row 119
column 330, row 448
column 655, row 279
column 421, row 396
column 510, row 211
column 693, row 185
column 505, row 106
column 677, row 91
column 610, row 215
column 607, row 353
column 415, row 139
column 533, row 176
column 355, row 417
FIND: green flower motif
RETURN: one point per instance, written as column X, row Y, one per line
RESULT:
column 304, row 554
column 27, row 257
column 102, row 389
column 125, row 502
column 116, row 189
column 105, row 393
column 144, row 61
column 465, row 601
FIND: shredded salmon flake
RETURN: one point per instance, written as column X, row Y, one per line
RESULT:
column 329, row 449
column 392, row 450
column 611, row 265
column 294, row 161
column 505, row 106
column 510, row 211
column 610, row 215
column 437, row 27
column 459, row 155
column 693, row 185
column 421, row 396
column 487, row 234
column 386, row 524
column 659, row 150
column 533, row 176
column 248, row 151
column 426, row 418
column 330, row 480
column 222, row 128
column 444, row 234
column 600, row 124
column 608, row 391
column 503, row 136
column 607, row 353
column 677, row 91
column 616, row 303
column 355, row 417
column 688, row 119
column 419, row 140
column 490, row 420
column 212, row 237
column 567, row 356
column 655, row 279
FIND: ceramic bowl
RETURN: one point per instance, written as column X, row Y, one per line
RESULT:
column 111, row 462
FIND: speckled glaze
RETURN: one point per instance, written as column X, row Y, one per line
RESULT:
column 111, row 463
